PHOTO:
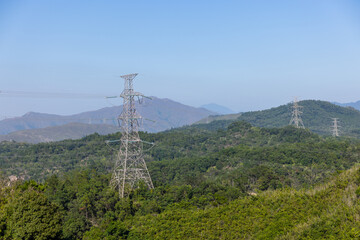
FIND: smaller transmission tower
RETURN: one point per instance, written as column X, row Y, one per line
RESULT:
column 295, row 115
column 335, row 127
column 130, row 167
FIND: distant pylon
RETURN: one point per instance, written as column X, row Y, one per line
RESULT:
column 295, row 115
column 130, row 167
column 335, row 127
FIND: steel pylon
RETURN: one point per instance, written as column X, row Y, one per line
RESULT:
column 296, row 115
column 130, row 167
column 335, row 127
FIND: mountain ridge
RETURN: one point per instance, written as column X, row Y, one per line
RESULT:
column 58, row 133
column 355, row 105
column 162, row 113
column 317, row 116
column 217, row 108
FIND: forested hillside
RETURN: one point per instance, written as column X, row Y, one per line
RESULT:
column 317, row 116
column 328, row 211
column 211, row 181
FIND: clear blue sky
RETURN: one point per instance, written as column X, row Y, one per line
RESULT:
column 245, row 55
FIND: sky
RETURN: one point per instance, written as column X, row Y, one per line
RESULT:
column 64, row 56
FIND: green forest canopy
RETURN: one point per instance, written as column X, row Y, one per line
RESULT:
column 211, row 182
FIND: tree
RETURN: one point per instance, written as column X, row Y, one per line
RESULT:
column 28, row 214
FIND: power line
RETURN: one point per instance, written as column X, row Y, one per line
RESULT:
column 60, row 118
column 27, row 94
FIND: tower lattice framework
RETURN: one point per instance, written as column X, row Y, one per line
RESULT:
column 296, row 115
column 130, row 167
column 335, row 127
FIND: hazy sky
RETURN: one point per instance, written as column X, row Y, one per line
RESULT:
column 245, row 55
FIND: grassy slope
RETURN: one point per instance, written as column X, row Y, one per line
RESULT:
column 329, row 211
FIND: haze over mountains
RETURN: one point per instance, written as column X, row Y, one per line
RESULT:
column 158, row 115
column 58, row 133
column 162, row 114
column 217, row 108
column 355, row 105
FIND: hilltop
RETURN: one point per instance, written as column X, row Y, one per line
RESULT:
column 317, row 116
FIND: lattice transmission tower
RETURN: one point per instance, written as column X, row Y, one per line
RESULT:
column 130, row 167
column 296, row 115
column 335, row 127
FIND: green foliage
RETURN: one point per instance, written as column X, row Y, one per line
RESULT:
column 210, row 183
column 114, row 230
column 317, row 116
column 325, row 212
column 358, row 192
column 28, row 214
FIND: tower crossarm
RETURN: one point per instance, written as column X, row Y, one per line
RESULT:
column 131, row 94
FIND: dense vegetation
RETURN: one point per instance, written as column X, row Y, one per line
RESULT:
column 329, row 211
column 317, row 116
column 211, row 182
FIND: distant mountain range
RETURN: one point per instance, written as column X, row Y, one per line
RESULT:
column 217, row 108
column 166, row 114
column 57, row 133
column 317, row 116
column 355, row 105
column 158, row 115
column 212, row 118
